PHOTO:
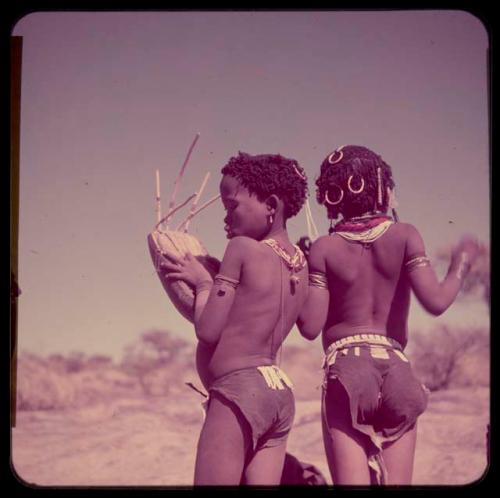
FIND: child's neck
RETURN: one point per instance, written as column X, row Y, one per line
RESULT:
column 279, row 234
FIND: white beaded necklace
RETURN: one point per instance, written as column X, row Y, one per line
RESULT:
column 294, row 263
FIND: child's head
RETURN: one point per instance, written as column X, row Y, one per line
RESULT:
column 354, row 181
column 256, row 190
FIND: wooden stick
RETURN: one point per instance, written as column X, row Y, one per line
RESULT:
column 179, row 176
column 201, row 208
column 172, row 211
column 314, row 229
column 158, row 200
column 185, row 223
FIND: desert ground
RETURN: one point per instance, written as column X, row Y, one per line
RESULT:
column 99, row 426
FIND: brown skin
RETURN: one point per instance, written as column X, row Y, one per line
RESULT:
column 241, row 328
column 370, row 287
column 370, row 292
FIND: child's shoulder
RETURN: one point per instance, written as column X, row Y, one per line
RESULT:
column 406, row 229
column 243, row 244
column 321, row 246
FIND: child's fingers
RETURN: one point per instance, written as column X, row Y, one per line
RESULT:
column 166, row 266
column 175, row 276
column 171, row 256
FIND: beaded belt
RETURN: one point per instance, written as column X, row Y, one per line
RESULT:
column 275, row 377
column 376, row 341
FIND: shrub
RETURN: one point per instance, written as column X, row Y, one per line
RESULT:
column 444, row 357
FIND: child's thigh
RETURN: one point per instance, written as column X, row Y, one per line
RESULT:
column 345, row 447
column 223, row 444
column 266, row 466
column 399, row 456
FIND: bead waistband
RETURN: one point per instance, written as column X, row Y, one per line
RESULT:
column 374, row 339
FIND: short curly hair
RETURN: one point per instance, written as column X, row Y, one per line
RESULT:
column 355, row 162
column 268, row 174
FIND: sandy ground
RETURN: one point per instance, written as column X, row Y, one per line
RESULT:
column 145, row 441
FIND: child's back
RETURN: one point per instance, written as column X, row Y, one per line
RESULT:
column 265, row 308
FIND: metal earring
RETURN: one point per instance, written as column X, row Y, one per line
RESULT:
column 331, row 159
column 334, row 203
column 271, row 220
column 360, row 189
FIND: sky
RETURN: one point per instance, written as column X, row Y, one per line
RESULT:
column 109, row 98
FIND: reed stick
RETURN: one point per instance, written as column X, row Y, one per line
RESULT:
column 185, row 223
column 158, row 199
column 311, row 226
column 179, row 177
column 172, row 211
column 203, row 206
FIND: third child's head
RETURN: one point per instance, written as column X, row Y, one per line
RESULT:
column 354, row 181
column 260, row 193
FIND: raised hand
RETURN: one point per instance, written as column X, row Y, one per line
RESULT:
column 188, row 269
column 465, row 254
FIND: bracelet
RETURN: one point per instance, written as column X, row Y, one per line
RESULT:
column 318, row 279
column 418, row 262
column 222, row 280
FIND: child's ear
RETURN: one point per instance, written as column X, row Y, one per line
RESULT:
column 272, row 203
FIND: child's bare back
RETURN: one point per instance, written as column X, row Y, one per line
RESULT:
column 371, row 290
column 256, row 328
column 361, row 276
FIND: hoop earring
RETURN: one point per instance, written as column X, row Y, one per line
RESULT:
column 339, row 150
column 327, row 200
column 360, row 189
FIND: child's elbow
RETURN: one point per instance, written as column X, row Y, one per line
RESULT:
column 309, row 333
column 310, row 336
column 436, row 308
column 203, row 334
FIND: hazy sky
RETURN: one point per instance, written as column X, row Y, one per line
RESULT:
column 107, row 98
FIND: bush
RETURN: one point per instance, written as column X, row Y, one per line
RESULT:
column 60, row 382
column 159, row 361
column 444, row 357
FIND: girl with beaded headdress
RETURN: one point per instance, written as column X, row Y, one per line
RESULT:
column 242, row 317
column 361, row 277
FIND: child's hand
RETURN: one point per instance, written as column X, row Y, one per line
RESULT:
column 468, row 246
column 464, row 255
column 188, row 269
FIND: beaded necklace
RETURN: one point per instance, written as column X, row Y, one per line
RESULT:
column 294, row 263
column 364, row 229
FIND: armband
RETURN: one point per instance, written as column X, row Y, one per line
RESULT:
column 318, row 279
column 227, row 281
column 418, row 262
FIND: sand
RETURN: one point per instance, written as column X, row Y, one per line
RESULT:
column 151, row 440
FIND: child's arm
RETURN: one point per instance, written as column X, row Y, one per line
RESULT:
column 213, row 306
column 312, row 317
column 214, row 298
column 436, row 297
